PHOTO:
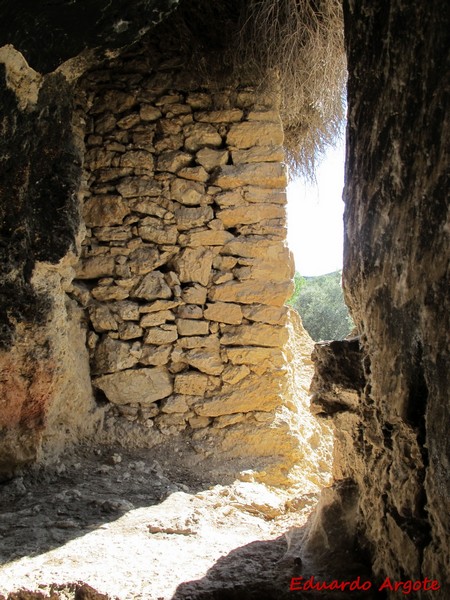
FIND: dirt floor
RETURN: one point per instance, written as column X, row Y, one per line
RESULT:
column 130, row 528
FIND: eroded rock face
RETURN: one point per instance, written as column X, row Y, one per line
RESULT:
column 394, row 431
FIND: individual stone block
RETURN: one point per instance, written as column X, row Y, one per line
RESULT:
column 159, row 305
column 157, row 318
column 95, row 267
column 143, row 260
column 129, row 121
column 194, row 264
column 208, row 237
column 152, row 287
column 152, row 229
column 136, row 386
column 232, row 115
column 255, row 355
column 266, row 314
column 104, row 293
column 251, row 292
column 194, row 174
column 192, row 327
column 258, row 154
column 98, row 158
column 112, row 355
column 258, row 334
column 190, row 311
column 113, row 234
column 202, row 341
column 175, row 404
column 155, row 355
column 137, row 159
column 135, row 187
column 210, row 159
column 257, row 247
column 149, row 113
column 173, row 161
column 199, row 135
column 265, row 175
column 207, row 361
column 189, row 218
column 260, row 269
column 102, row 319
column 224, row 312
column 253, row 393
column 129, row 331
column 186, row 192
column 100, row 211
column 190, row 383
column 127, row 310
column 197, row 422
column 255, row 133
column 252, row 213
column 147, row 206
column 257, row 195
column 233, row 374
column 194, row 294
column 160, row 337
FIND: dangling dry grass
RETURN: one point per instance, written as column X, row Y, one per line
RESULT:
column 300, row 42
column 303, row 42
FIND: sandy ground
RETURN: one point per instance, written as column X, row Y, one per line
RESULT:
column 133, row 529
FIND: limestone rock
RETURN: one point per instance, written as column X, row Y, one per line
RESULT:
column 173, row 161
column 250, row 292
column 137, row 159
column 190, row 193
column 258, row 334
column 152, row 287
column 102, row 318
column 104, row 293
column 254, row 355
column 194, row 174
column 160, row 337
column 254, row 393
column 149, row 113
column 247, row 135
column 190, row 311
column 154, row 230
column 200, row 135
column 210, row 159
column 159, row 305
column 112, row 355
column 231, row 115
column 155, row 355
column 194, row 294
column 258, row 154
column 157, row 318
column 207, row 361
column 266, row 314
column 175, row 404
column 231, row 217
column 95, row 267
column 224, row 312
column 130, row 331
column 194, row 264
column 191, row 383
column 135, row 187
column 99, row 211
column 264, row 175
column 136, row 386
column 207, row 237
column 192, row 327
column 189, row 218
column 234, row 374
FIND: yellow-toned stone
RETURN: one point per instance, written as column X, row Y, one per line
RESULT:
column 194, row 174
column 199, row 135
column 255, row 355
column 255, row 133
column 265, row 175
column 103, row 293
column 190, row 193
column 207, row 361
column 266, row 314
column 250, row 292
column 95, row 267
column 160, row 337
column 157, row 318
column 192, row 327
column 208, row 237
column 252, row 213
column 224, row 312
column 149, row 113
column 210, row 159
column 136, row 386
column 189, row 218
column 257, row 334
column 194, row 264
column 100, row 211
column 233, row 374
column 232, row 115
column 258, row 154
column 191, row 383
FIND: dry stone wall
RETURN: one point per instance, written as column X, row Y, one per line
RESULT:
column 184, row 269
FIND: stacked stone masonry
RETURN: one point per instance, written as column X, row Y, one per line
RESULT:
column 184, row 270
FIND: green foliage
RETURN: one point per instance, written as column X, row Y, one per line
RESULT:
column 320, row 303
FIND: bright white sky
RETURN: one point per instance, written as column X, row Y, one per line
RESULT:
column 315, row 230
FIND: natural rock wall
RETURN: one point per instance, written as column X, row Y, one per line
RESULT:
column 389, row 397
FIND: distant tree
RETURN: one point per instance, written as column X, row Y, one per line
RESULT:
column 320, row 303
